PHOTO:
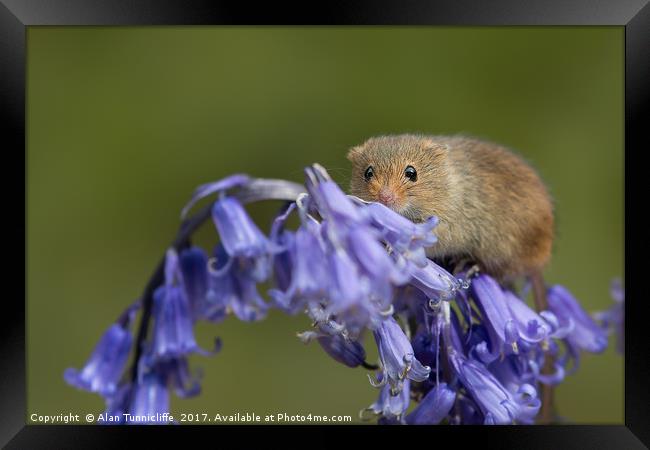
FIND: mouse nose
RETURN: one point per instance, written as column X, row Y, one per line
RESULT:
column 387, row 197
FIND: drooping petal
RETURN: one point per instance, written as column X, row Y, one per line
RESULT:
column 150, row 399
column 347, row 286
column 434, row 407
column 391, row 407
column 397, row 355
column 309, row 275
column 485, row 389
column 239, row 234
column 405, row 236
column 510, row 321
column 530, row 326
column 347, row 352
column 586, row 334
column 184, row 383
column 374, row 260
column 104, row 368
column 513, row 376
column 117, row 404
column 173, row 334
column 250, row 306
column 193, row 264
column 333, row 203
column 434, row 281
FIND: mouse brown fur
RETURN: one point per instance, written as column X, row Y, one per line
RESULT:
column 493, row 208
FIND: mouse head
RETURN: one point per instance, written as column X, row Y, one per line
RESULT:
column 407, row 173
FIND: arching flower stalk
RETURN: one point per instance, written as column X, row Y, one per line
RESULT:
column 465, row 348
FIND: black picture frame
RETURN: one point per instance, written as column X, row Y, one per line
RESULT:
column 633, row 15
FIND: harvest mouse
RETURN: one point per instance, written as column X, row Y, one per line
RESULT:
column 493, row 208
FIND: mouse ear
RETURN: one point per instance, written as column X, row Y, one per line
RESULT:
column 354, row 154
column 433, row 144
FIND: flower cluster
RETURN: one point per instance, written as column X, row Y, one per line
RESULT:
column 467, row 349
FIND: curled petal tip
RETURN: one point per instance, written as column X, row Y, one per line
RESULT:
column 376, row 382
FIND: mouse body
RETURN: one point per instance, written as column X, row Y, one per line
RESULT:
column 493, row 208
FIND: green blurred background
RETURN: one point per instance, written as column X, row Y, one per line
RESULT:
column 123, row 124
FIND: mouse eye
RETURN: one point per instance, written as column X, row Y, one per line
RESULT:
column 411, row 173
column 369, row 173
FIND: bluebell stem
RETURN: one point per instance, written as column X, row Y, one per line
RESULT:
column 468, row 350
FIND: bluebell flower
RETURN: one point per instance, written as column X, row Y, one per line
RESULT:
column 117, row 404
column 515, row 377
column 613, row 319
column 434, row 407
column 534, row 361
column 366, row 249
column 233, row 286
column 509, row 320
column 240, row 236
column 481, row 346
column 405, row 237
column 397, row 357
column 330, row 201
column 497, row 404
column 434, row 281
column 351, row 266
column 244, row 258
column 308, row 273
column 178, row 377
column 485, row 389
column 344, row 350
column 586, row 334
column 390, row 406
column 348, row 292
column 150, row 397
column 173, row 333
column 104, row 368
